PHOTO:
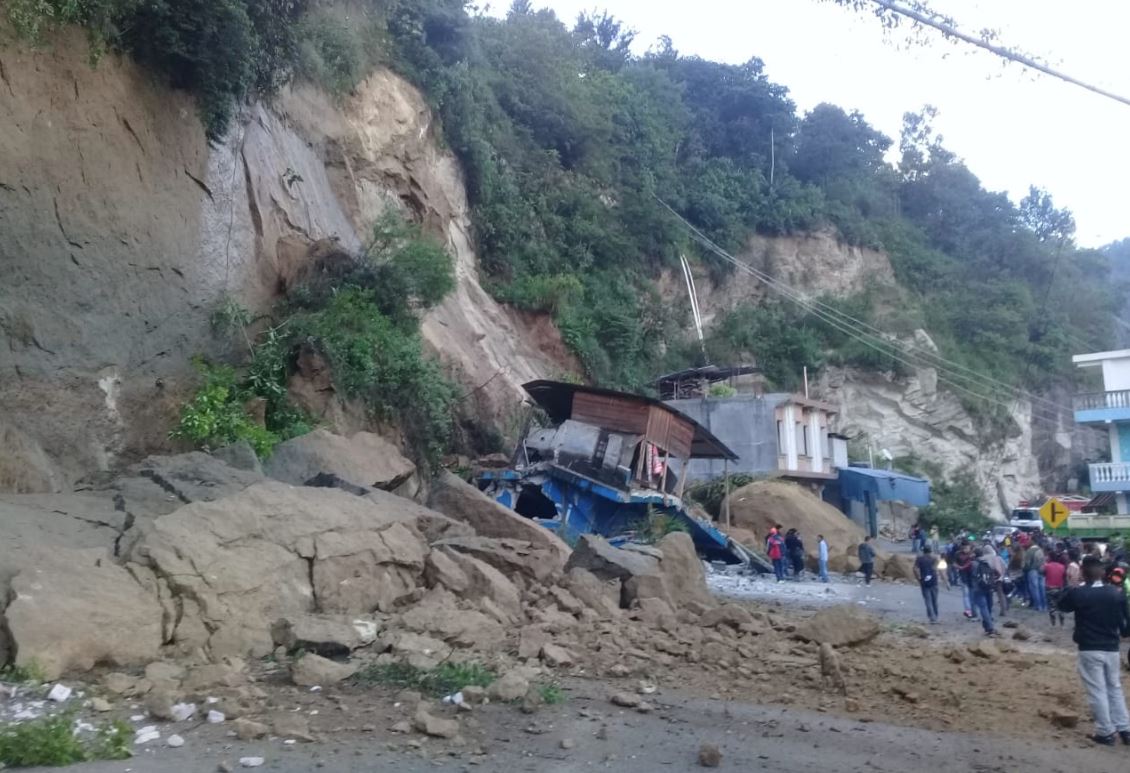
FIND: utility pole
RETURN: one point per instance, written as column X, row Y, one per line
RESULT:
column 772, row 156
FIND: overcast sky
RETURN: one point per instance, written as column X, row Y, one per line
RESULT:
column 1013, row 127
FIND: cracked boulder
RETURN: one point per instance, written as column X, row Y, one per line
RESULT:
column 456, row 498
column 73, row 609
column 362, row 459
column 274, row 551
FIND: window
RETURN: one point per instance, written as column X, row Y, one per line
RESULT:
column 801, row 439
column 780, row 437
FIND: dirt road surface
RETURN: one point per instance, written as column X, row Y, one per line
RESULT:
column 751, row 737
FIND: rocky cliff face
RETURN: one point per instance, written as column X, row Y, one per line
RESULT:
column 904, row 415
column 124, row 229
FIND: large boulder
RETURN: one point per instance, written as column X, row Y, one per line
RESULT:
column 272, row 551
column 763, row 504
column 842, row 625
column 609, row 562
column 456, row 498
column 682, row 570
column 74, row 609
column 363, row 459
column 517, row 559
column 899, row 566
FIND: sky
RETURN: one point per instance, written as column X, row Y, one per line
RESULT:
column 1013, row 127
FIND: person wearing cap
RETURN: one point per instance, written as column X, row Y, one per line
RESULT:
column 1100, row 620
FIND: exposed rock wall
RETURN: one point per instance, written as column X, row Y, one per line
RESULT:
column 913, row 416
column 123, row 228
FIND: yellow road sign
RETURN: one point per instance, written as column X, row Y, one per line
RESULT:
column 1054, row 513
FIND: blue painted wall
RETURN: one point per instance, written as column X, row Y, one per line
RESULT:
column 1123, row 442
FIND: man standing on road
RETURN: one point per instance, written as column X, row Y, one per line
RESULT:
column 1100, row 619
column 964, row 560
column 926, row 572
column 1034, row 562
column 822, row 557
column 985, row 579
column 867, row 560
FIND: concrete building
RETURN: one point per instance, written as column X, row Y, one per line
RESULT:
column 777, row 434
column 1109, row 408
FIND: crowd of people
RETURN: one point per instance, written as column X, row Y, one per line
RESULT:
column 1045, row 574
column 1056, row 576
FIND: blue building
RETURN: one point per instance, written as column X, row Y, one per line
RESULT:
column 1108, row 408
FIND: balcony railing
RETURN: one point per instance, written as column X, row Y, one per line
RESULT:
column 1091, row 401
column 1110, row 476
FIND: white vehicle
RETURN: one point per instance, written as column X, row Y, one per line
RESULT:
column 1026, row 518
column 998, row 533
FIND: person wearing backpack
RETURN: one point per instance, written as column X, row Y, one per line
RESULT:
column 775, row 548
column 985, row 579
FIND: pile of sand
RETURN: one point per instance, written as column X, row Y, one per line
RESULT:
column 756, row 508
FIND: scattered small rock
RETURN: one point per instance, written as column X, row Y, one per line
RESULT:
column 174, row 741
column 100, row 704
column 215, row 717
column 311, row 670
column 645, row 707
column 709, row 756
column 985, row 649
column 182, row 712
column 851, row 705
column 1065, row 719
column 568, row 743
column 289, row 725
column 509, row 687
column 436, row 727
column 1021, row 634
column 146, row 734
column 556, row 656
column 917, row 632
column 474, row 694
column 224, row 767
column 619, row 670
column 60, row 693
column 251, row 762
column 1010, row 624
column 248, row 730
column 626, row 699
column 403, row 727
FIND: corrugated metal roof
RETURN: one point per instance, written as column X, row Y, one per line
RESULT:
column 883, row 485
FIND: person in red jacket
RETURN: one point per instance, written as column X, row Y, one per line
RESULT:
column 1055, row 575
column 775, row 548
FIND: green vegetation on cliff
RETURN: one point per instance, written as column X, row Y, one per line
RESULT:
column 360, row 314
column 568, row 139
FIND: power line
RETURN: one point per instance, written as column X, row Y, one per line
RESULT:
column 1014, row 56
column 881, row 341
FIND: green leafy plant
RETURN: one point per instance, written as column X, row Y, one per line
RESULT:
column 657, row 525
column 551, row 693
column 710, row 494
column 217, row 416
column 28, row 673
column 52, row 740
column 331, row 52
column 444, row 679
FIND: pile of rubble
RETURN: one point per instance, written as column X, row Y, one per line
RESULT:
column 216, row 563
